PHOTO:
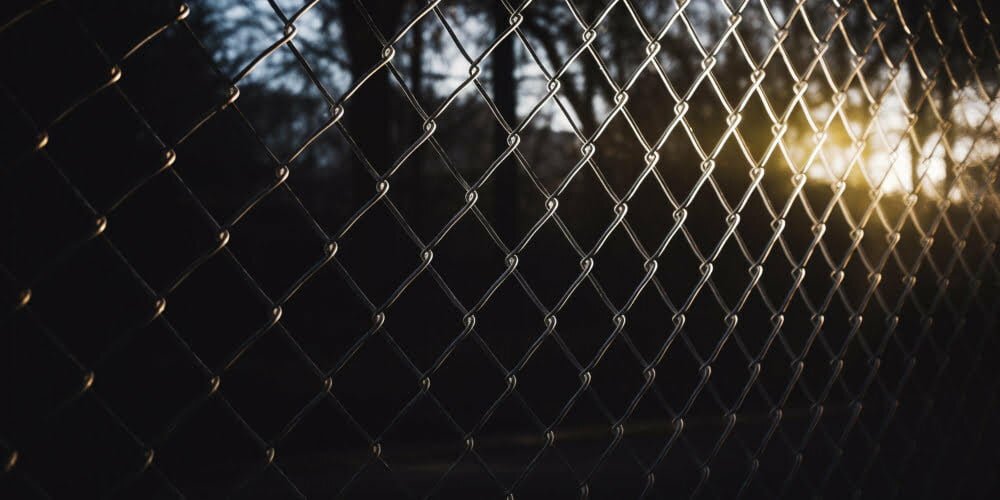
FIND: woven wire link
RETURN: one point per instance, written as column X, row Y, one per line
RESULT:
column 851, row 358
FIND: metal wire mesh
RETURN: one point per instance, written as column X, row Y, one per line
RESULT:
column 494, row 249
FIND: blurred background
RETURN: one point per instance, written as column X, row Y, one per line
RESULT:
column 393, row 249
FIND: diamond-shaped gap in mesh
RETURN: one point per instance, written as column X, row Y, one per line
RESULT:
column 893, row 283
column 796, row 237
column 676, row 473
column 756, row 127
column 375, row 384
column 277, row 243
column 781, row 368
column 270, row 383
column 71, row 63
column 548, row 381
column 550, row 145
column 649, row 321
column 675, row 57
column 426, row 193
column 117, row 38
column 552, row 31
column 893, row 361
column 377, row 253
column 838, row 235
column 775, row 283
column 75, row 299
column 323, row 181
column 256, row 23
column 423, row 321
column 651, row 105
column 509, row 440
column 753, row 420
column 173, row 61
column 107, row 165
column 703, row 333
column 733, row 172
column 731, row 456
column 877, row 75
column 678, row 272
column 216, row 309
column 428, row 61
column 224, row 165
column 549, row 264
column 586, row 208
column 677, row 376
column 730, row 464
column 775, row 460
column 286, row 107
column 732, row 71
column 210, row 453
column 170, row 380
column 40, row 198
column 838, row 56
column 585, row 94
column 583, row 435
column 679, row 165
column 816, row 457
column 41, row 376
column 162, row 230
column 650, row 214
column 706, row 221
column 324, row 450
column 838, row 325
column 619, row 157
column 509, row 322
column 756, row 31
column 618, row 376
column 908, row 334
column 648, row 429
column 422, row 446
column 326, row 317
column 467, row 383
column 836, row 156
column 473, row 37
column 619, row 473
column 469, row 260
column 731, row 273
column 585, row 322
column 710, row 23
column 85, row 450
column 819, row 368
column 755, row 324
column 380, row 122
column 465, row 131
column 655, row 14
column 731, row 371
column 619, row 267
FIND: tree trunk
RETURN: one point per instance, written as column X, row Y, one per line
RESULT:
column 369, row 117
column 913, row 98
column 416, row 162
column 947, row 104
column 505, row 99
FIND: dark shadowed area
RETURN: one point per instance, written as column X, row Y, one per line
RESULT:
column 490, row 249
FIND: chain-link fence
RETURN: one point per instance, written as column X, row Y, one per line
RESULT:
column 486, row 249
